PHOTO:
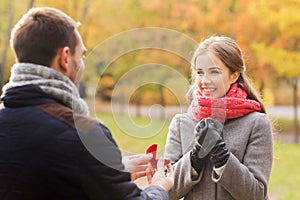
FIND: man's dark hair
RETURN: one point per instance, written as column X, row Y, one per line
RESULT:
column 40, row 33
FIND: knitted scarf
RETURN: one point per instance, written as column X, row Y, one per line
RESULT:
column 235, row 104
column 50, row 81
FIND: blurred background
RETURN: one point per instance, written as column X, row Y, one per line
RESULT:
column 138, row 64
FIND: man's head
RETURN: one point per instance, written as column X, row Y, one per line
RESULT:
column 49, row 37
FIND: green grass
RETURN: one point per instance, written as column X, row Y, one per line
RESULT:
column 285, row 176
column 134, row 135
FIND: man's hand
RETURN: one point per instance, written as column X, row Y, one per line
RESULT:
column 137, row 165
column 162, row 177
column 153, row 150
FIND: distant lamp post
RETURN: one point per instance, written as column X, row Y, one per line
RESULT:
column 296, row 85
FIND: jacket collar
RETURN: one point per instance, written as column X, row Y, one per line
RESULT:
column 26, row 95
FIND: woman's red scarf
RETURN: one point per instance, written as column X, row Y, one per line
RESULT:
column 235, row 104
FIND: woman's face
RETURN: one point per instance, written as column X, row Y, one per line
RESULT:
column 212, row 76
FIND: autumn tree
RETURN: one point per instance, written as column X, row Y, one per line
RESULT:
column 281, row 50
column 266, row 32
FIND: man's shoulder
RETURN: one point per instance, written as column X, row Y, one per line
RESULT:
column 66, row 115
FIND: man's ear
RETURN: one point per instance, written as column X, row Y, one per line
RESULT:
column 64, row 60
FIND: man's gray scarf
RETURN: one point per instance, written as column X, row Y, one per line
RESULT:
column 50, row 81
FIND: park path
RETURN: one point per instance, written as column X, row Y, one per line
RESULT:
column 168, row 112
column 283, row 111
column 287, row 112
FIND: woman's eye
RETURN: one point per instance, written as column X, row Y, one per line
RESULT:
column 199, row 72
column 215, row 72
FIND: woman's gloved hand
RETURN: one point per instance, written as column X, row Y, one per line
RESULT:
column 209, row 144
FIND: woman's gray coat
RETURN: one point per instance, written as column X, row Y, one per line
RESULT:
column 247, row 171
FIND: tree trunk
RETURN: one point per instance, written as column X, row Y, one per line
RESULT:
column 85, row 11
column 295, row 100
column 138, row 104
column 31, row 4
column 6, row 43
column 162, row 101
column 261, row 88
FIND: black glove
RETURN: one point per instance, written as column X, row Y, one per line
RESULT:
column 198, row 155
column 219, row 154
column 196, row 162
column 209, row 144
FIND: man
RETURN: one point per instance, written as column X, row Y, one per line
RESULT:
column 49, row 148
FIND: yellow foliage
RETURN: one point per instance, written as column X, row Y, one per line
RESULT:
column 267, row 31
column 284, row 61
column 150, row 97
column 268, row 97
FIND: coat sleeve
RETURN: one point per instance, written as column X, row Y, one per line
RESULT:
column 185, row 178
column 249, row 178
column 102, row 173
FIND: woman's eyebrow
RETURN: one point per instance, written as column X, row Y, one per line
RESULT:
column 215, row 67
column 210, row 68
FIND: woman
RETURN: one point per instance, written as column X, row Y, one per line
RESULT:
column 222, row 147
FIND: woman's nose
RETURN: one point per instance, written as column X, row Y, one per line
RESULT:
column 205, row 79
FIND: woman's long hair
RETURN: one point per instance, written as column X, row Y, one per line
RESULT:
column 227, row 50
